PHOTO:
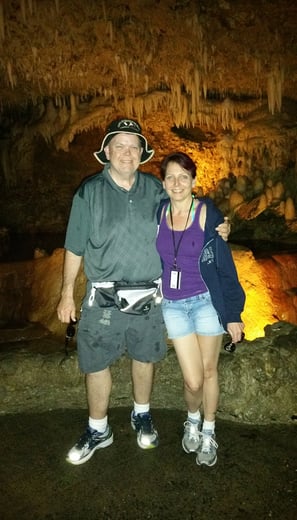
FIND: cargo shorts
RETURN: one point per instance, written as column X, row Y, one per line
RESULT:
column 105, row 334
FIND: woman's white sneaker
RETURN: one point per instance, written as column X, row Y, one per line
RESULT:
column 207, row 452
column 192, row 436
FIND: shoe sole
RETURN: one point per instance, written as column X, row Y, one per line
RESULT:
column 187, row 450
column 103, row 444
column 204, row 463
column 151, row 446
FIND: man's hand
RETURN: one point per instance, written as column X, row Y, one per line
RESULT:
column 224, row 229
column 66, row 309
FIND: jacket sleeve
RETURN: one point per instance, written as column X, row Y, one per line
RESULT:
column 233, row 293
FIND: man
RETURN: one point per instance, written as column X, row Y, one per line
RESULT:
column 113, row 228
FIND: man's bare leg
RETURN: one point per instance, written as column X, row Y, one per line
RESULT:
column 141, row 421
column 142, row 378
column 98, row 386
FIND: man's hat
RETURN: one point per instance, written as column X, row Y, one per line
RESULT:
column 124, row 126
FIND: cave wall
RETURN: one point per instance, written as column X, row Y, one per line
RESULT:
column 30, row 291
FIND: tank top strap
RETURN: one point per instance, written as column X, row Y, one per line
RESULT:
column 198, row 212
column 163, row 212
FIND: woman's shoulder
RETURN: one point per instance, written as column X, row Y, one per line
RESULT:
column 163, row 204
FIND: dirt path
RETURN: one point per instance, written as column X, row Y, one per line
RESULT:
column 255, row 477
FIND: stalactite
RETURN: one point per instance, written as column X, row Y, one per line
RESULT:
column 34, row 54
column 23, row 10
column 146, row 83
column 31, row 8
column 274, row 89
column 196, row 87
column 5, row 164
column 110, row 31
column 2, row 26
column 73, row 110
column 10, row 75
column 124, row 71
column 227, row 113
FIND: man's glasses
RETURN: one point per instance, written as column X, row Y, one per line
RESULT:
column 70, row 333
column 230, row 346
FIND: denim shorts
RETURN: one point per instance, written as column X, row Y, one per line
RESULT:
column 191, row 315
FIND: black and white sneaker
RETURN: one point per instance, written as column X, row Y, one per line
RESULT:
column 88, row 443
column 147, row 436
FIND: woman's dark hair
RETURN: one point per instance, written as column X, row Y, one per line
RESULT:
column 180, row 158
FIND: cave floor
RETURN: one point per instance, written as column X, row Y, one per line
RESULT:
column 255, row 476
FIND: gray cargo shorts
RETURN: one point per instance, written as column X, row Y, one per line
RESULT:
column 105, row 334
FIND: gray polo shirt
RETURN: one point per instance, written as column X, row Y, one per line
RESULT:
column 114, row 229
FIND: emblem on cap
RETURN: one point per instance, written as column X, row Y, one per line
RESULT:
column 128, row 123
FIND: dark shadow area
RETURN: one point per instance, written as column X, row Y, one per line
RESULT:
column 255, row 476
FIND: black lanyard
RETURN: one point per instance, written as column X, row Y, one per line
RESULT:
column 176, row 247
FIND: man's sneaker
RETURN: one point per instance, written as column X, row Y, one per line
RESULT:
column 89, row 442
column 192, row 436
column 147, row 436
column 207, row 452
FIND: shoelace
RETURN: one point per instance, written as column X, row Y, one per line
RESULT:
column 192, row 430
column 208, row 443
column 89, row 436
column 145, row 423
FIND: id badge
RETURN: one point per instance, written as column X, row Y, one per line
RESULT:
column 175, row 279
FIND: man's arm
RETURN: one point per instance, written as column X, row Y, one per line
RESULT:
column 66, row 308
column 224, row 229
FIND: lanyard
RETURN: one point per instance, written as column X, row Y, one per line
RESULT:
column 176, row 247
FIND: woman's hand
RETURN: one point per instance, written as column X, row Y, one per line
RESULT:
column 235, row 330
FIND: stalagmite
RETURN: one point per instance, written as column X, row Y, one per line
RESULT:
column 281, row 207
column 235, row 199
column 289, row 212
column 269, row 195
column 278, row 190
column 241, row 184
column 258, row 185
column 262, row 206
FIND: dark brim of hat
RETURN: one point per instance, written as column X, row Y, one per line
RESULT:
column 147, row 152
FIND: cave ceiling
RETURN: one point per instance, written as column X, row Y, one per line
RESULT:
column 198, row 61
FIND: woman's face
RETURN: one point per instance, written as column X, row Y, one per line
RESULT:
column 178, row 182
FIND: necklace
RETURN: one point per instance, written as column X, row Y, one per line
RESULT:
column 176, row 246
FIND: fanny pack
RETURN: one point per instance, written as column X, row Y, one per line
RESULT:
column 131, row 298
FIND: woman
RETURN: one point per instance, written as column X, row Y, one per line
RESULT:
column 202, row 298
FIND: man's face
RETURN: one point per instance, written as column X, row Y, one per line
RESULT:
column 124, row 153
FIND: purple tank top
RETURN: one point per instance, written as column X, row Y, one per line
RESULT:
column 187, row 258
